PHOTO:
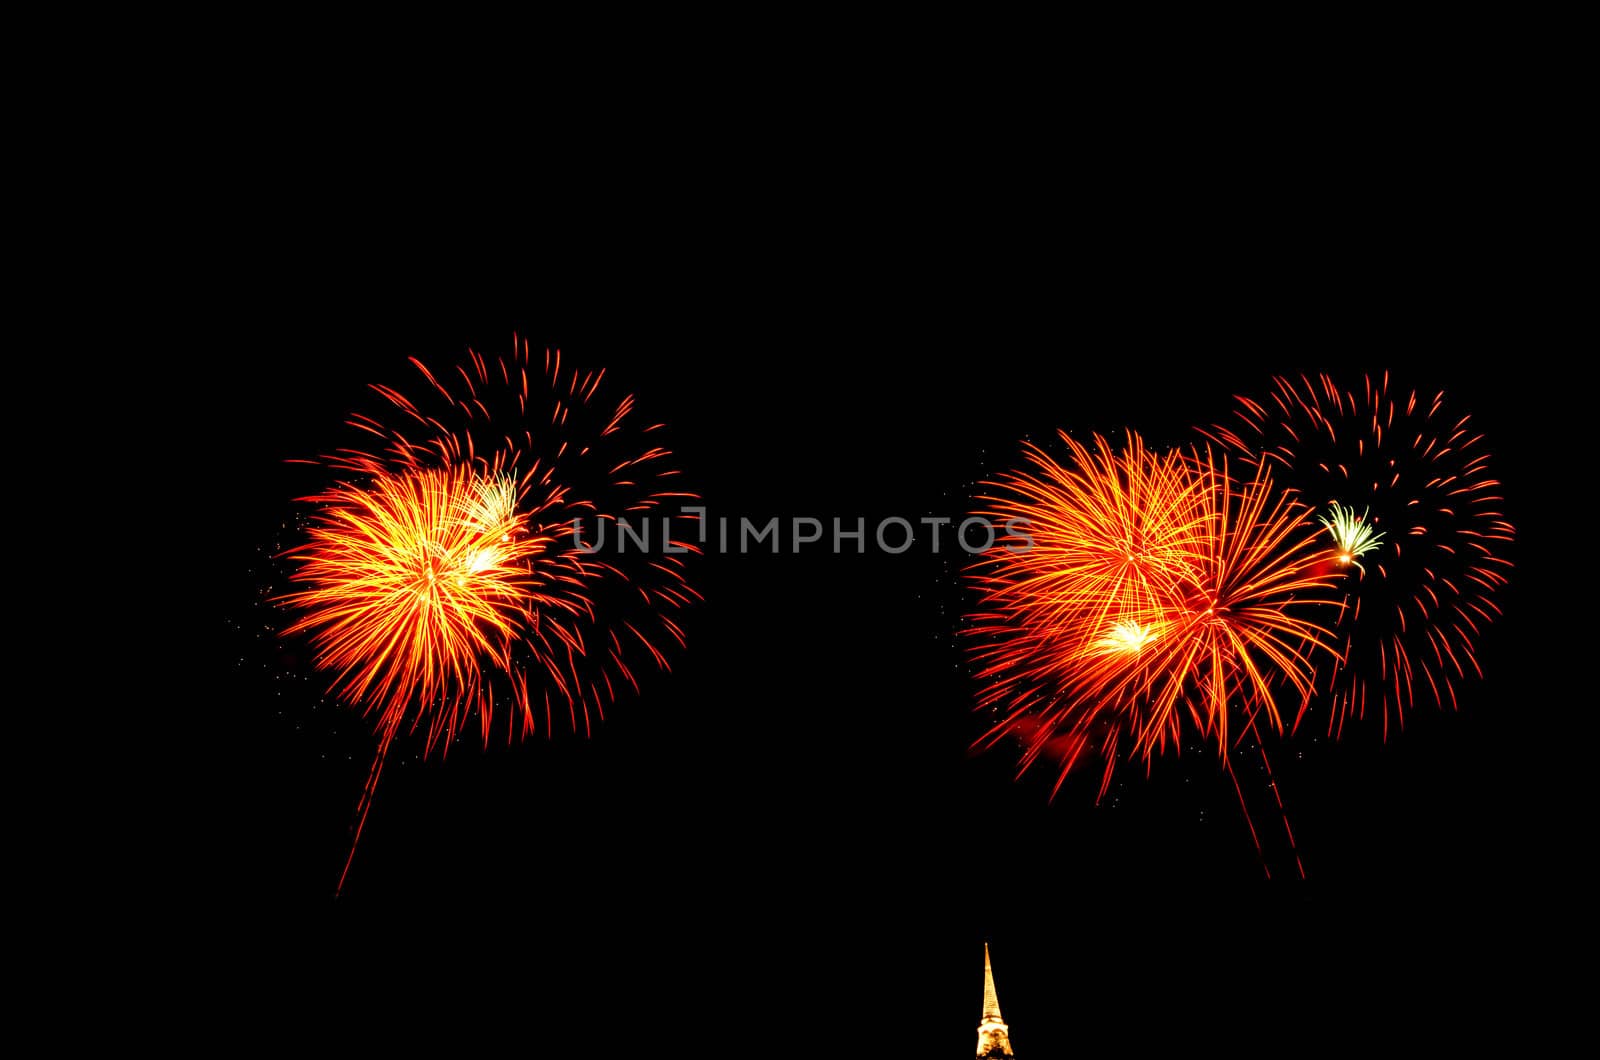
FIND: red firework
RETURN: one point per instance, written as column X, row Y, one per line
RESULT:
column 1404, row 484
column 445, row 578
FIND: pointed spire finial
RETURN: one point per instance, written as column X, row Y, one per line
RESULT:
column 993, row 1036
column 991, row 1001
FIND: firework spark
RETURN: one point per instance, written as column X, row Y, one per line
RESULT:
column 443, row 578
column 1413, row 618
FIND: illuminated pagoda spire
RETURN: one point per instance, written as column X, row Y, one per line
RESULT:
column 993, row 1037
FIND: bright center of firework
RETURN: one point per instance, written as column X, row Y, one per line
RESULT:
column 1352, row 533
column 1127, row 637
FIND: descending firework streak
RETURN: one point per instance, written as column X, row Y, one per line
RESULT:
column 1422, row 562
column 442, row 580
column 1158, row 587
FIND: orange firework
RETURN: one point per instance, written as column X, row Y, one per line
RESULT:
column 1155, row 588
column 449, row 579
column 1405, row 493
column 413, row 583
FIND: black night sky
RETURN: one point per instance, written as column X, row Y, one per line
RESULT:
column 786, row 838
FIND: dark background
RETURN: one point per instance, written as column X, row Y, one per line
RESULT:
column 785, row 845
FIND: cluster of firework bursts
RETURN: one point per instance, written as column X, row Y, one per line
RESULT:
column 1331, row 552
column 1329, row 548
column 441, row 580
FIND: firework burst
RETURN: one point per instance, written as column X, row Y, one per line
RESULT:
column 1156, row 588
column 1353, row 535
column 444, row 577
column 1432, row 531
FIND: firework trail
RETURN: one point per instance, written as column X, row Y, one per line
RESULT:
column 443, row 577
column 1424, row 560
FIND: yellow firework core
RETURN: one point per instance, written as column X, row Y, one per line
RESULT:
column 1127, row 637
